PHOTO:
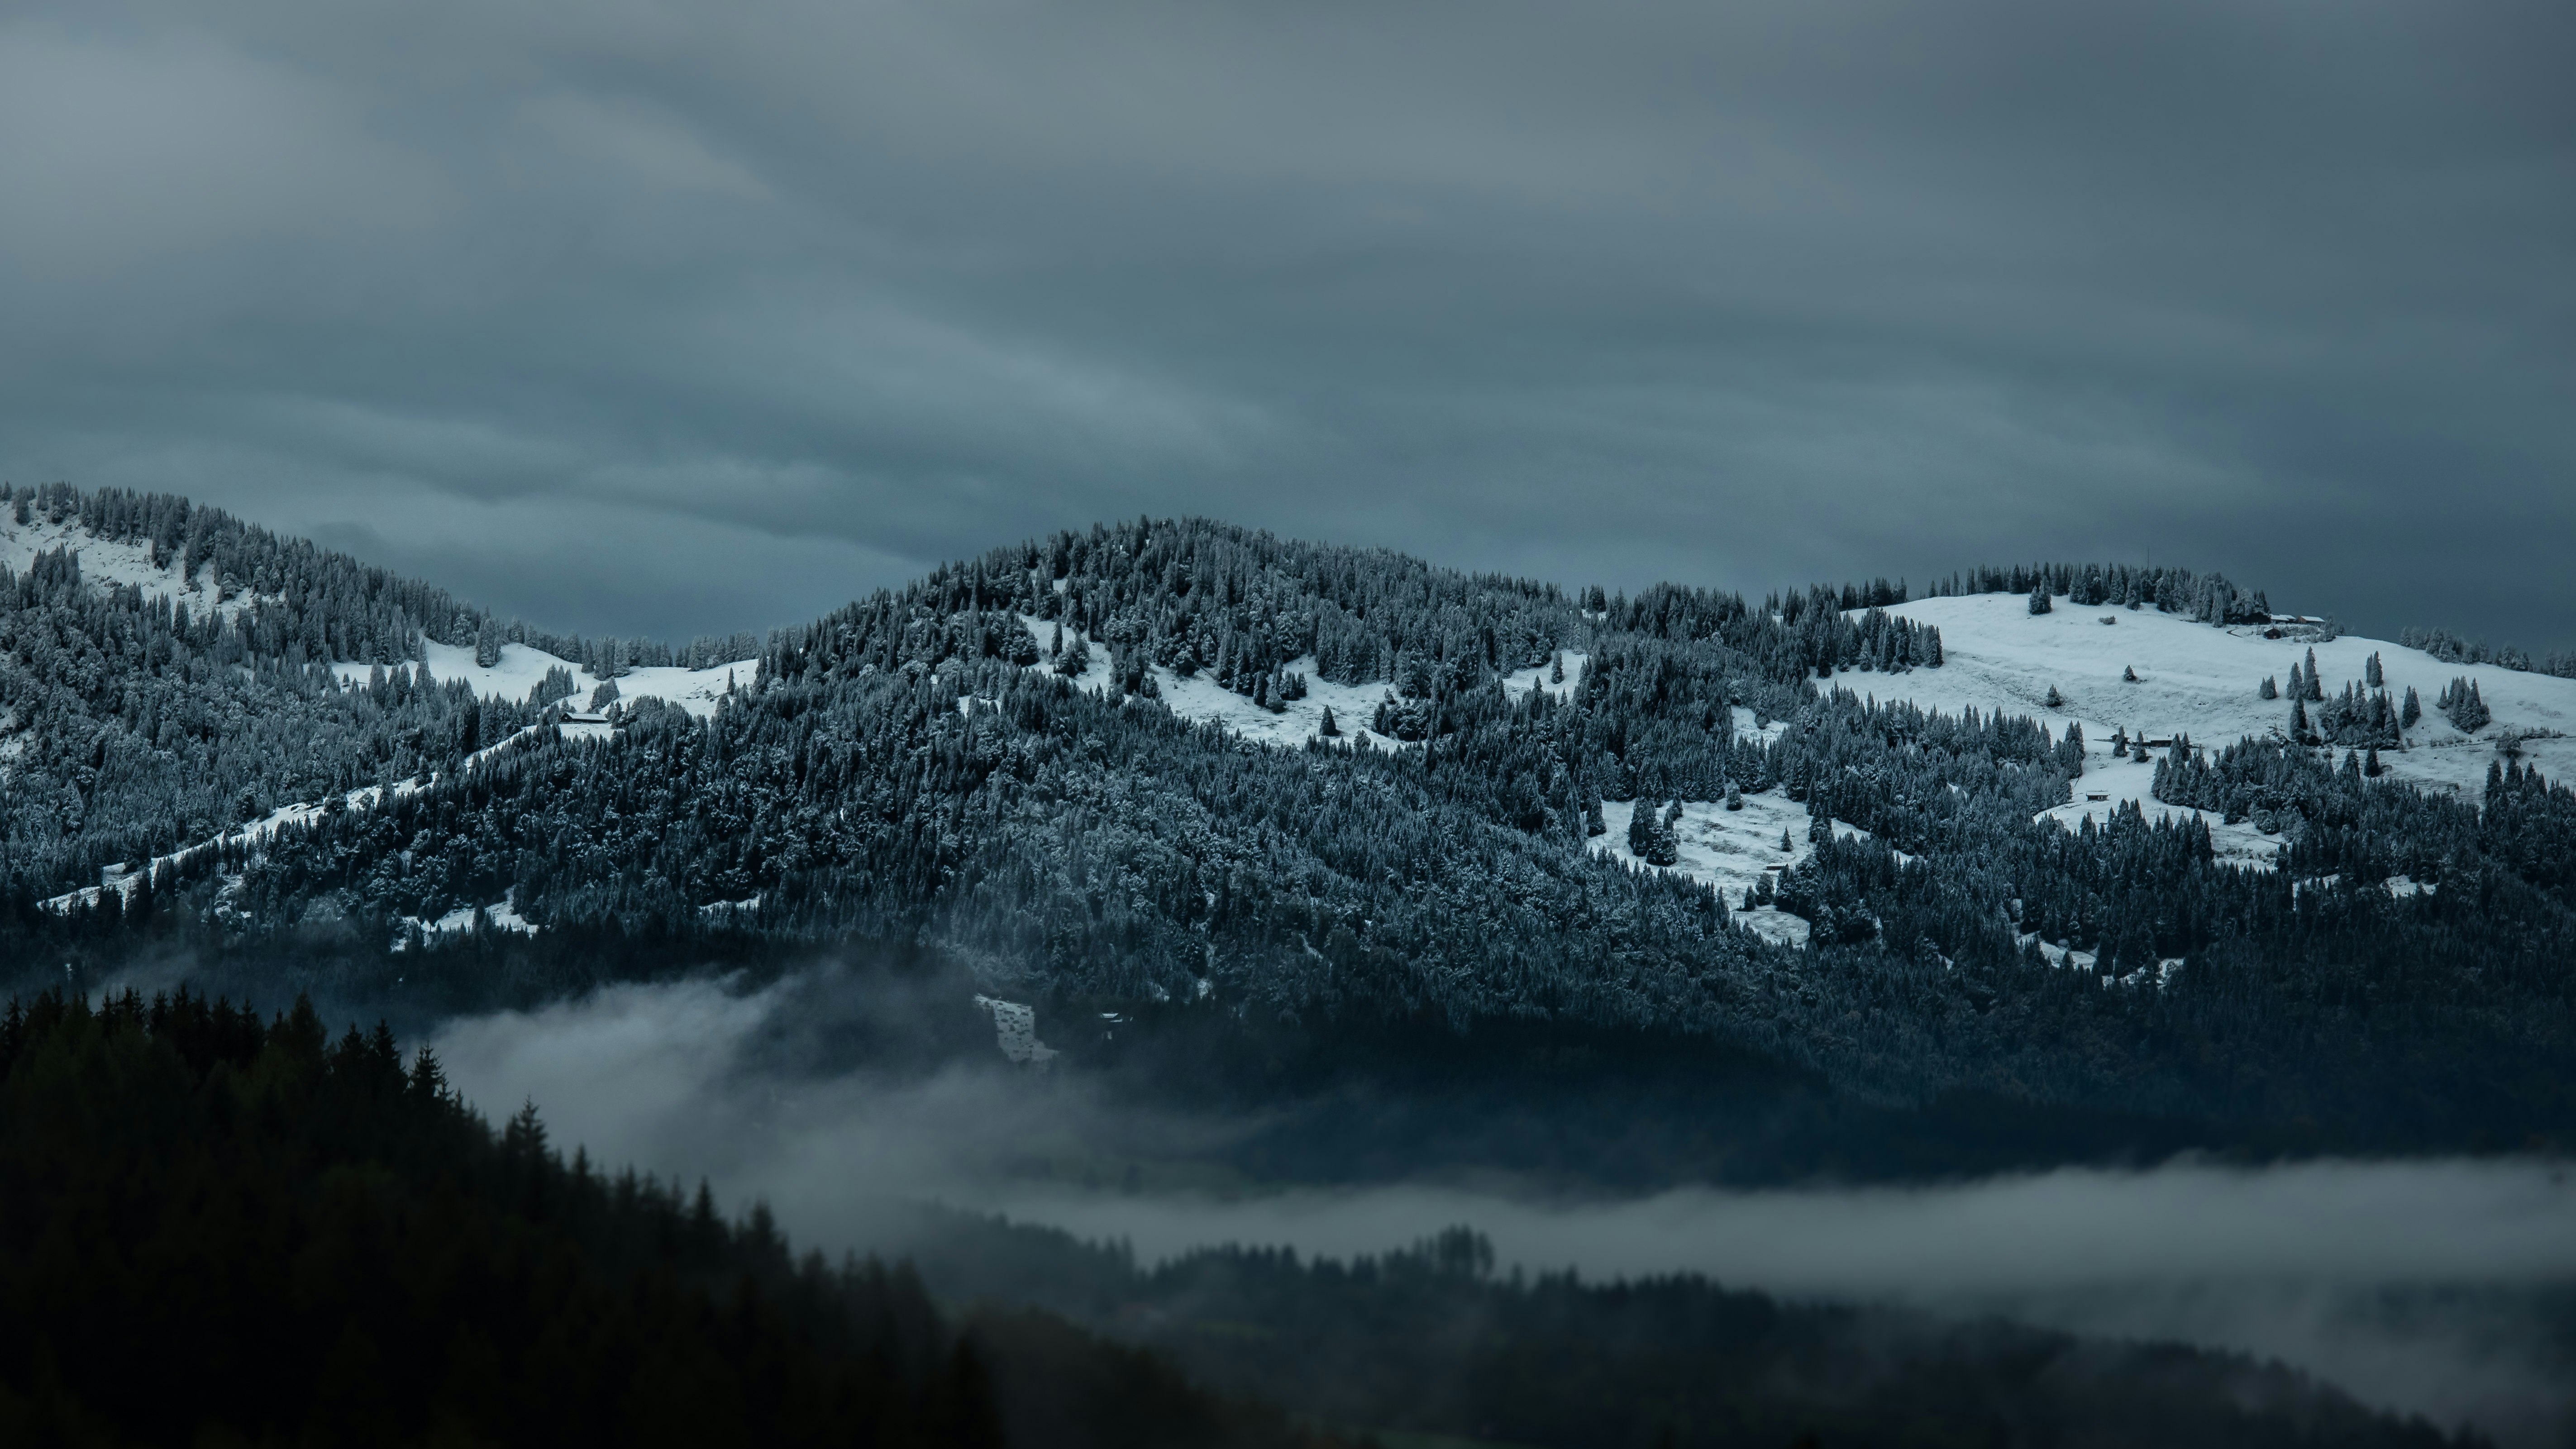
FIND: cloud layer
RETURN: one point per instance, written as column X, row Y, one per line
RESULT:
column 642, row 317
column 2427, row 1286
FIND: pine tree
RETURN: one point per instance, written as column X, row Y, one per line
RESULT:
column 2055, row 700
column 2039, row 602
column 1663, row 845
column 1330, row 728
column 1556, row 670
column 2269, row 690
column 2371, row 674
column 2463, row 705
column 2129, row 673
column 2413, row 713
column 2316, row 682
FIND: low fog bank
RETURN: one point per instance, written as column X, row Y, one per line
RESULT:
column 2439, row 1287
column 2436, row 1287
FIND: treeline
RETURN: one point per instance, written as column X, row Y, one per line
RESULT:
column 326, row 605
column 309, row 1241
column 2209, row 598
column 1438, row 1339
column 2451, row 648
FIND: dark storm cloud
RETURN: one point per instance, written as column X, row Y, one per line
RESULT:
column 651, row 317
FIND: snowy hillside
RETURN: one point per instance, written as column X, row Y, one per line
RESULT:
column 1202, row 699
column 2202, row 680
column 112, row 563
column 1732, row 850
column 522, row 668
column 121, row 564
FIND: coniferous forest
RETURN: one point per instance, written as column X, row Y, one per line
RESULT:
column 311, row 1241
column 1394, row 943
column 896, row 775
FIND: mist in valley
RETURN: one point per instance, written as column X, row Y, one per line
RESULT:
column 2440, row 1287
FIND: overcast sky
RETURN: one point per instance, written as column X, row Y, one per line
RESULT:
column 668, row 317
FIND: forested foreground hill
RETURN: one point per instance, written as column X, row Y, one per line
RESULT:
column 220, row 1230
column 228, row 754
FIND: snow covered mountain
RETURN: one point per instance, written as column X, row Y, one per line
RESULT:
column 1907, row 844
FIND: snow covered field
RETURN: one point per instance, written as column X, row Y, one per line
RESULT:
column 2200, row 680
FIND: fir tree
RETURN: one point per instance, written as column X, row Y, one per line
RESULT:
column 2268, row 690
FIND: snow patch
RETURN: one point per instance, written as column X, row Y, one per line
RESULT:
column 1777, row 926
column 1201, row 699
column 503, row 916
column 1732, row 850
column 1015, row 1031
column 2057, row 955
column 2200, row 679
column 108, row 562
column 522, row 667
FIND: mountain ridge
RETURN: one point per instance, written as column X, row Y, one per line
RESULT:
column 934, row 769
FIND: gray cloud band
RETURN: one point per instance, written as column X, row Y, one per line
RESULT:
column 648, row 320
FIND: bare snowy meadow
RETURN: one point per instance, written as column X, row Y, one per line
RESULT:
column 2434, row 1286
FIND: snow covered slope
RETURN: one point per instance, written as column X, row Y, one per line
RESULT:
column 1354, row 705
column 1732, row 849
column 522, row 668
column 106, row 562
column 2201, row 680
